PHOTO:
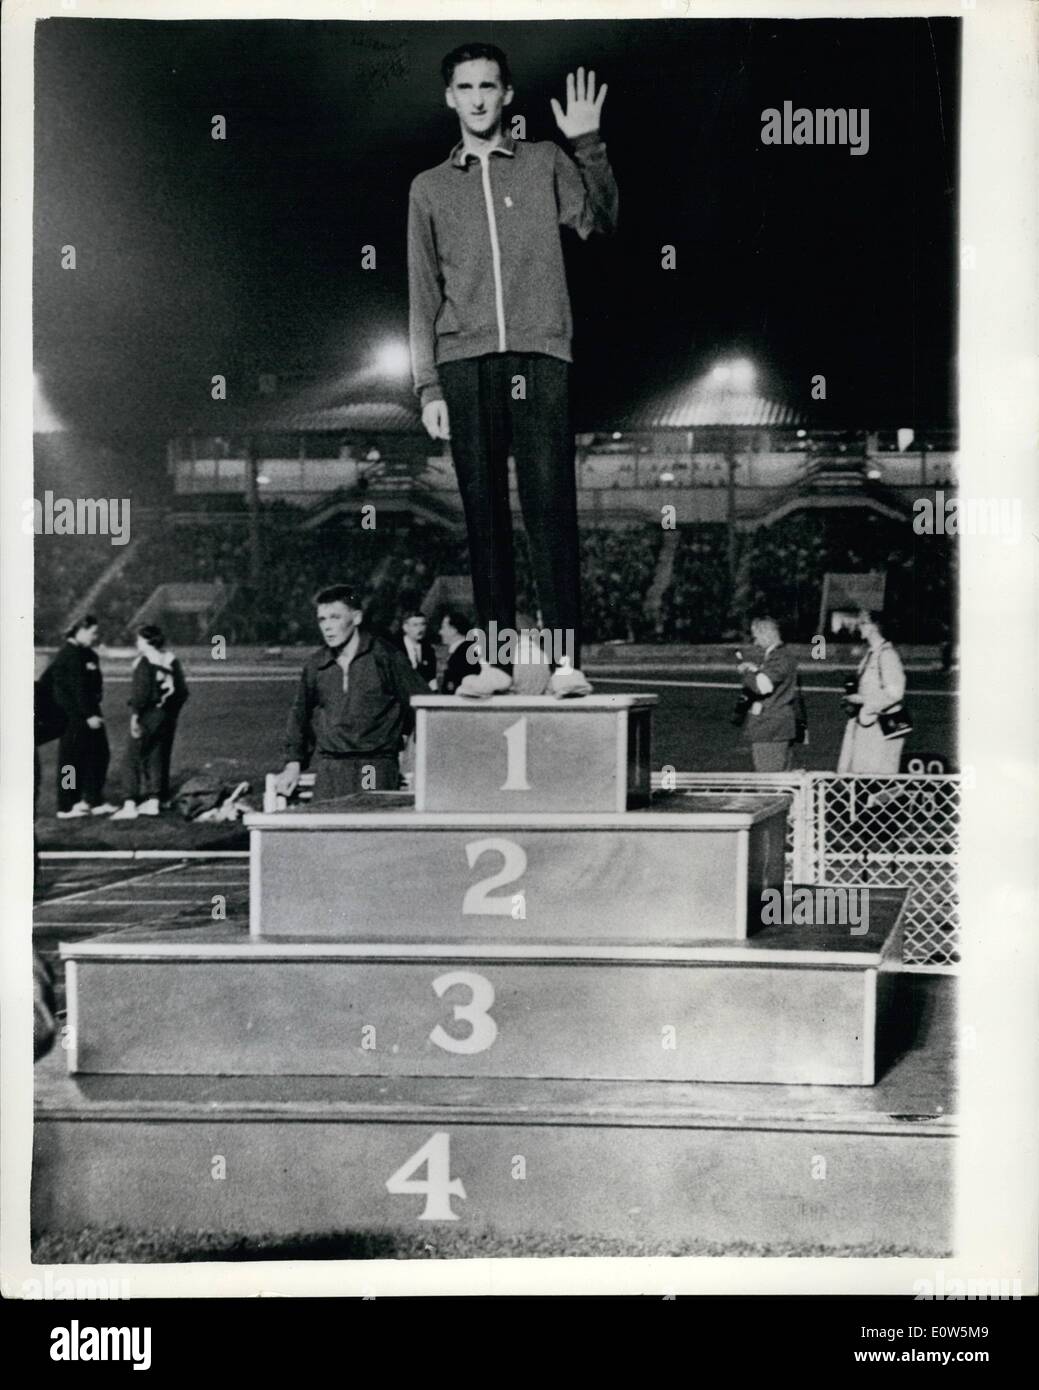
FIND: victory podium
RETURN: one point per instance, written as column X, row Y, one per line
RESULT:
column 536, row 958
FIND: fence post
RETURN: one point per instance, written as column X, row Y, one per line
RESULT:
column 819, row 837
column 802, row 829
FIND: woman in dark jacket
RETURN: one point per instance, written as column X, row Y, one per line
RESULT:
column 71, row 691
column 159, row 694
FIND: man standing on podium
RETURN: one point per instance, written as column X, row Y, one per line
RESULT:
column 490, row 328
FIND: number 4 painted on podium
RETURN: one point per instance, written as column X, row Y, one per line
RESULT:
column 438, row 1187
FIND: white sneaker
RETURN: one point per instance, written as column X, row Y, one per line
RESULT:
column 105, row 809
column 128, row 811
column 149, row 807
column 489, row 681
column 568, row 682
column 81, row 808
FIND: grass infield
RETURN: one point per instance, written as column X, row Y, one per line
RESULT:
column 115, row 1245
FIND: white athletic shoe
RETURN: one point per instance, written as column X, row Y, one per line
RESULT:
column 105, row 809
column 81, row 808
column 489, row 681
column 128, row 811
column 149, row 807
column 567, row 682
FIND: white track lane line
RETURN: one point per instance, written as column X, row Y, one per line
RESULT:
column 103, row 887
column 139, row 855
column 806, row 689
column 133, row 902
column 172, row 925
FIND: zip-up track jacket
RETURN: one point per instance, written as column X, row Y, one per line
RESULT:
column 485, row 260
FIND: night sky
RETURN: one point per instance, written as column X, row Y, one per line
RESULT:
column 198, row 256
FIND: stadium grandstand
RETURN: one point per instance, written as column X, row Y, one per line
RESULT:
column 694, row 508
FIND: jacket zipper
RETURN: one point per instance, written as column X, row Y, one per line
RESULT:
column 499, row 295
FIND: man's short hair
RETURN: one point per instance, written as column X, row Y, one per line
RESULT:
column 339, row 593
column 86, row 620
column 470, row 52
column 458, row 619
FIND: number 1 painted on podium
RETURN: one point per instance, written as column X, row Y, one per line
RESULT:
column 515, row 737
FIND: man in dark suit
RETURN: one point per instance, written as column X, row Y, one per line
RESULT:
column 462, row 655
column 417, row 647
column 771, row 726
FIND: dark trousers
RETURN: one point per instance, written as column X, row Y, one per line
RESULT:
column 148, row 762
column 772, row 757
column 485, row 421
column 86, row 751
column 336, row 777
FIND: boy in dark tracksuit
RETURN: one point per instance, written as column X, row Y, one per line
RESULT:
column 158, row 695
column 352, row 706
column 490, row 328
column 74, row 690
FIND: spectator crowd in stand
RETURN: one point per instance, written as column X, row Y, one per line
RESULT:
column 780, row 567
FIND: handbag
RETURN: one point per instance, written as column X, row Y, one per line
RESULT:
column 895, row 721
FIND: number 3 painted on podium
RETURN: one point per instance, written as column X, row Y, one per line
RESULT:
column 476, row 1013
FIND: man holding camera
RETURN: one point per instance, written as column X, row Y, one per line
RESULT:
column 774, row 695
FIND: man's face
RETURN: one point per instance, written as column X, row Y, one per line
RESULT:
column 87, row 636
column 337, row 622
column 477, row 94
column 448, row 632
column 415, row 628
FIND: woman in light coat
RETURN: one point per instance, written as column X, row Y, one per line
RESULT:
column 882, row 683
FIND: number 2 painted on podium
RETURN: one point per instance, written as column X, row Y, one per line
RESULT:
column 478, row 901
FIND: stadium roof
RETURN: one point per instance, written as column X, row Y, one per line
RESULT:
column 335, row 404
column 332, row 404
column 366, row 417
column 699, row 406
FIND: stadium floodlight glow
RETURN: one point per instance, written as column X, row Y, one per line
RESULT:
column 743, row 374
column 738, row 374
column 44, row 420
column 393, row 359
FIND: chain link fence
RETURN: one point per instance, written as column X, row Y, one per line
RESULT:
column 899, row 831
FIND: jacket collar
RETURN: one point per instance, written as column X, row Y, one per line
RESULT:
column 326, row 656
column 461, row 157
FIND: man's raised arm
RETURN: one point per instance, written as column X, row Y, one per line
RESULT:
column 586, row 191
